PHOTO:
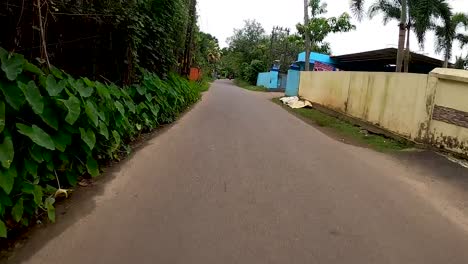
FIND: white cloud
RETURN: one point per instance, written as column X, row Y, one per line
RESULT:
column 220, row 17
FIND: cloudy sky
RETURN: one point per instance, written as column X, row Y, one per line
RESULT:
column 220, row 17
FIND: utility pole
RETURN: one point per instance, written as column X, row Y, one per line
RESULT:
column 306, row 34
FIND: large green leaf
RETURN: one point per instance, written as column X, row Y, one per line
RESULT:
column 83, row 90
column 54, row 88
column 17, row 210
column 88, row 82
column 29, row 67
column 102, row 91
column 12, row 64
column 103, row 130
column 88, row 137
column 74, row 109
column 92, row 113
column 35, row 190
column 148, row 97
column 131, row 106
column 33, row 96
column 56, row 72
column 47, row 155
column 13, row 95
column 36, row 153
column 31, row 167
column 49, row 205
column 37, row 135
column 49, row 116
column 2, row 116
column 120, row 108
column 7, row 179
column 154, row 109
column 116, row 136
column 7, row 152
column 92, row 166
column 3, row 229
column 115, row 91
column 102, row 115
column 141, row 89
column 62, row 140
column 4, row 199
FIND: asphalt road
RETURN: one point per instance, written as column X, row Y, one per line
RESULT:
column 240, row 180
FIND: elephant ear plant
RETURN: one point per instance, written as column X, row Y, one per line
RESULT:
column 55, row 128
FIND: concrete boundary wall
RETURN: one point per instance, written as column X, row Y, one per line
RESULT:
column 424, row 108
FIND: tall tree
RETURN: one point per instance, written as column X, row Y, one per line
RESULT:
column 319, row 27
column 357, row 7
column 422, row 14
column 306, row 35
column 448, row 32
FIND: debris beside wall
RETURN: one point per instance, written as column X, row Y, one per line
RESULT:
column 295, row 102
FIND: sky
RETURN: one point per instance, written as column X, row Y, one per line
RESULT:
column 221, row 17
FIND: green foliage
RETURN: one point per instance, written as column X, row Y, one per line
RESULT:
column 251, row 71
column 68, row 127
column 207, row 54
column 448, row 33
column 320, row 27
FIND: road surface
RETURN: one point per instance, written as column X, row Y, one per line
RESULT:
column 240, row 180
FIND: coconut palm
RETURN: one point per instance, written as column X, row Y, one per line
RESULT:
column 357, row 7
column 447, row 33
column 422, row 14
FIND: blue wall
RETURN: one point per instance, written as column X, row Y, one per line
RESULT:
column 292, row 86
column 268, row 79
column 263, row 79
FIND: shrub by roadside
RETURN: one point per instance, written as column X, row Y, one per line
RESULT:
column 55, row 128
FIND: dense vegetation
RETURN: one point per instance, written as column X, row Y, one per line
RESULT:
column 252, row 51
column 103, row 40
column 56, row 128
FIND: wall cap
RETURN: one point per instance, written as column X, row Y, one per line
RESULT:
column 450, row 74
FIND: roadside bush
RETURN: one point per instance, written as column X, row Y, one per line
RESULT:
column 55, row 128
column 250, row 71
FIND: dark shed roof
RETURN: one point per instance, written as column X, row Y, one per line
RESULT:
column 384, row 60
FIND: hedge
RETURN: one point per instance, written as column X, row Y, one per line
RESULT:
column 55, row 128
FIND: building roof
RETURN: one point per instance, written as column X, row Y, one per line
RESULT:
column 314, row 56
column 384, row 60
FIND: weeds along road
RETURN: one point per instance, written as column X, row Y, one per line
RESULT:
column 240, row 180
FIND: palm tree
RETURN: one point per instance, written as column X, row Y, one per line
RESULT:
column 421, row 16
column 357, row 7
column 447, row 33
column 306, row 34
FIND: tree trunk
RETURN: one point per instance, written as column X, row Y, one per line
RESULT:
column 407, row 55
column 401, row 36
column 446, row 58
column 307, row 37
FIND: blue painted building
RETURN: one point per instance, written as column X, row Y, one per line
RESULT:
column 274, row 80
column 314, row 56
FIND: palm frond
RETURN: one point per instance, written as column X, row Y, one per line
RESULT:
column 391, row 9
column 357, row 8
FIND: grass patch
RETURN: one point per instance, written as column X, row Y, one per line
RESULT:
column 204, row 86
column 248, row 86
column 347, row 130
